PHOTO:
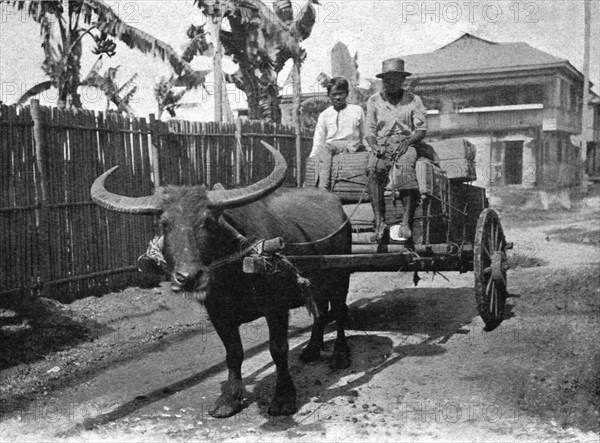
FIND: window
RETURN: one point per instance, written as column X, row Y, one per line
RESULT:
column 559, row 148
column 565, row 94
column 576, row 97
column 543, row 153
column 513, row 162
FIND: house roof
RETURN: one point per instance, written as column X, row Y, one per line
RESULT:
column 473, row 54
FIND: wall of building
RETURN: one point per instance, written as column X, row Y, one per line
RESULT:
column 526, row 144
column 491, row 158
column 446, row 99
column 560, row 161
column 593, row 147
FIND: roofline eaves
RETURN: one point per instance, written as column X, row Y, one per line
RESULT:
column 563, row 64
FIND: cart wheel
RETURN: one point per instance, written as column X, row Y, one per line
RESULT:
column 490, row 268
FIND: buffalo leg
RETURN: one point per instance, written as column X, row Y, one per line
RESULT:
column 339, row 310
column 284, row 400
column 230, row 401
column 312, row 352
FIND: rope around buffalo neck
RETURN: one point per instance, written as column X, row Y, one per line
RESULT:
column 314, row 242
column 232, row 258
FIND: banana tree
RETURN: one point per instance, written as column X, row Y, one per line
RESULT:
column 167, row 91
column 64, row 24
column 261, row 41
column 115, row 94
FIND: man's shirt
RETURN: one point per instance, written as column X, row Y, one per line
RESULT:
column 384, row 118
column 343, row 126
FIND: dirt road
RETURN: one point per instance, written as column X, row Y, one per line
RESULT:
column 146, row 365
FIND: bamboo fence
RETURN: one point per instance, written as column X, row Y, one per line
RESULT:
column 55, row 242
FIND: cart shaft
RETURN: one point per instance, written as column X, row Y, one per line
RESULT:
column 379, row 262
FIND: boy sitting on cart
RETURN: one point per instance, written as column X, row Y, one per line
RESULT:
column 339, row 129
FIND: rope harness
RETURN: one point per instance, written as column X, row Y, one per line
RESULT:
column 154, row 250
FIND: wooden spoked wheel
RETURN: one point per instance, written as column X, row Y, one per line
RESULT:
column 490, row 268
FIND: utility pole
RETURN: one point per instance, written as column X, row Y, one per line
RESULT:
column 297, row 88
column 218, row 68
column 585, row 123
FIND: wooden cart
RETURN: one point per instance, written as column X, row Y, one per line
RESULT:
column 454, row 230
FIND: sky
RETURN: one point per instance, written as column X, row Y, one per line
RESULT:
column 374, row 29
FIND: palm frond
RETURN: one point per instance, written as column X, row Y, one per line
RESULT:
column 215, row 8
column 197, row 45
column 106, row 83
column 39, row 9
column 109, row 22
column 283, row 9
column 95, row 69
column 35, row 90
column 306, row 20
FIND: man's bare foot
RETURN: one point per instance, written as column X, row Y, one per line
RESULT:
column 379, row 233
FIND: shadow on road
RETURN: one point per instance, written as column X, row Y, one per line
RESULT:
column 371, row 354
column 129, row 407
column 431, row 313
column 435, row 312
column 32, row 328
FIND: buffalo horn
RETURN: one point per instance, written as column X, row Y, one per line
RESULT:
column 120, row 203
column 231, row 198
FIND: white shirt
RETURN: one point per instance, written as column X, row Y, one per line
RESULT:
column 345, row 125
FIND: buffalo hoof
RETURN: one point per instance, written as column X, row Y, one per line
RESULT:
column 285, row 405
column 310, row 354
column 341, row 357
column 339, row 361
column 224, row 408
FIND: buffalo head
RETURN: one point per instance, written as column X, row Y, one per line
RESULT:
column 194, row 236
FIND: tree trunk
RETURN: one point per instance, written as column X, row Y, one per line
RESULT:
column 68, row 97
column 253, row 98
column 249, row 84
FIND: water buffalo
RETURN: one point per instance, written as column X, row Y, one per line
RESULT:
column 197, row 227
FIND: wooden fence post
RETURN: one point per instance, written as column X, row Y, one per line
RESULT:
column 41, row 195
column 238, row 151
column 207, row 128
column 154, row 141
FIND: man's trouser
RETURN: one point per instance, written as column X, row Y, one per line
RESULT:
column 378, row 172
column 325, row 156
column 404, row 172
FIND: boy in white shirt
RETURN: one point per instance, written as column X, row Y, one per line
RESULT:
column 339, row 129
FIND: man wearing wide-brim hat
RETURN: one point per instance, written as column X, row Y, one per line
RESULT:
column 395, row 123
